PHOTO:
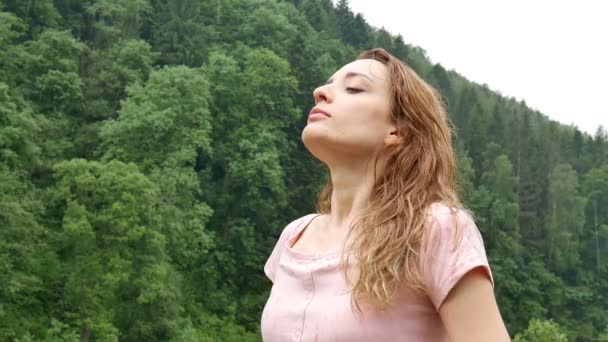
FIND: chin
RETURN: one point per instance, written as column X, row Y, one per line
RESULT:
column 316, row 143
column 329, row 147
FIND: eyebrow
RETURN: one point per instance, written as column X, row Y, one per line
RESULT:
column 350, row 75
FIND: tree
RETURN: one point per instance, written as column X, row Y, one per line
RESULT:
column 248, row 184
column 26, row 261
column 270, row 29
column 382, row 39
column 495, row 204
column 465, row 173
column 532, row 179
column 401, row 50
column 566, row 218
column 37, row 15
column 18, row 129
column 52, row 71
column 542, row 331
column 109, row 72
column 183, row 34
column 164, row 125
column 315, row 14
column 598, row 148
column 439, row 78
column 595, row 188
column 53, row 88
column 11, row 56
column 116, row 275
column 604, row 336
column 108, row 21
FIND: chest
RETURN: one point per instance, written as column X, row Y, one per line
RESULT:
column 316, row 238
column 311, row 301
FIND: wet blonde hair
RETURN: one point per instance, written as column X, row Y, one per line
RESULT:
column 385, row 238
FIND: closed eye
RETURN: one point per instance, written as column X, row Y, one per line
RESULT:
column 353, row 90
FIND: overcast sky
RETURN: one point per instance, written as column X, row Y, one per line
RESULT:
column 552, row 54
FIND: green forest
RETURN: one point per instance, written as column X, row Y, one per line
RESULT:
column 150, row 156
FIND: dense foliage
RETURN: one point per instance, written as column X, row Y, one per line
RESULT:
column 150, row 155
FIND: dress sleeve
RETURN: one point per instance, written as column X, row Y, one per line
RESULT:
column 452, row 246
column 272, row 263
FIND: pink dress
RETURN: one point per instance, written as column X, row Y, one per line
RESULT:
column 310, row 300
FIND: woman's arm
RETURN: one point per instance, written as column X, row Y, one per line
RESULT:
column 470, row 312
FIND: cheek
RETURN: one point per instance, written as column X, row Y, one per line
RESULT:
column 373, row 122
column 374, row 110
column 363, row 133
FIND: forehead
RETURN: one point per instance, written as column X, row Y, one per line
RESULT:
column 371, row 68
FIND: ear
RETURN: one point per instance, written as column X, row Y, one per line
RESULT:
column 393, row 138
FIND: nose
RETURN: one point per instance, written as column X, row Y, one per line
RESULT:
column 321, row 94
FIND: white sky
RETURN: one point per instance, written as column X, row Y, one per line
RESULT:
column 552, row 54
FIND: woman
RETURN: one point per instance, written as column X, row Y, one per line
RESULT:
column 392, row 255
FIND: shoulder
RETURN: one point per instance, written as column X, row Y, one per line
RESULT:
column 444, row 216
column 290, row 230
column 451, row 247
column 293, row 227
column 451, row 228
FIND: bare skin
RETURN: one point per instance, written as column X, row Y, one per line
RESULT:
column 470, row 312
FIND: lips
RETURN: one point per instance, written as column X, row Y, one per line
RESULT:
column 318, row 111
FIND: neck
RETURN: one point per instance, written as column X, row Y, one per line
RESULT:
column 353, row 184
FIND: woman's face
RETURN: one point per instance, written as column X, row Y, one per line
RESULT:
column 351, row 117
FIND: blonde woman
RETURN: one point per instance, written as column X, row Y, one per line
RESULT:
column 391, row 254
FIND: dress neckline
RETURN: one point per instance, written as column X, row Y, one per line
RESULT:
column 308, row 256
